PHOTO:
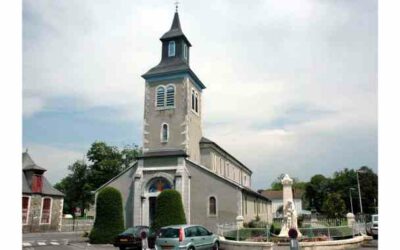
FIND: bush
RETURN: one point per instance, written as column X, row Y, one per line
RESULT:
column 109, row 220
column 169, row 210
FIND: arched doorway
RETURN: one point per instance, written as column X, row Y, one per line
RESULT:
column 154, row 188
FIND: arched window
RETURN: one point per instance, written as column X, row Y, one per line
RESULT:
column 158, row 185
column 170, row 96
column 212, row 206
column 160, row 95
column 46, row 211
column 164, row 133
column 171, row 48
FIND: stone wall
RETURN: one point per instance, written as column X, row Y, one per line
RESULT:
column 34, row 215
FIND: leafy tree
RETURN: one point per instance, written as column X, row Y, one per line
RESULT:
column 334, row 206
column 316, row 190
column 108, row 161
column 169, row 209
column 369, row 189
column 109, row 218
column 277, row 185
column 76, row 188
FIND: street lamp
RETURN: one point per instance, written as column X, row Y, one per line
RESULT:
column 351, row 200
column 359, row 190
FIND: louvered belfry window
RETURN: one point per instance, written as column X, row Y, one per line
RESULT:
column 37, row 183
column 160, row 97
column 46, row 211
column 170, row 96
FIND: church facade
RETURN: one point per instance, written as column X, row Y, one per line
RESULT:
column 215, row 186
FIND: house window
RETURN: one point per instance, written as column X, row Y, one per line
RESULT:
column 164, row 132
column 37, row 183
column 25, row 209
column 185, row 51
column 170, row 96
column 212, row 206
column 171, row 48
column 46, row 211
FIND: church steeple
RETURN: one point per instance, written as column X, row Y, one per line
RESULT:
column 173, row 94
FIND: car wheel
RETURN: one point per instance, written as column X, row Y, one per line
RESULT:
column 216, row 246
column 191, row 248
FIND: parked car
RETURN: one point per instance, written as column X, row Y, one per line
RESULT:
column 374, row 227
column 187, row 237
column 132, row 238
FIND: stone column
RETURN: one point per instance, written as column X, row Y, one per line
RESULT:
column 289, row 209
column 137, row 195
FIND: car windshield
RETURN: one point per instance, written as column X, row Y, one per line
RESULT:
column 134, row 230
column 169, row 233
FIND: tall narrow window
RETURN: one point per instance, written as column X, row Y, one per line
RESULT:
column 185, row 51
column 193, row 99
column 170, row 96
column 171, row 48
column 197, row 103
column 25, row 209
column 46, row 211
column 160, row 96
column 164, row 133
column 212, row 206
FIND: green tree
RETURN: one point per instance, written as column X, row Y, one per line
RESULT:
column 369, row 189
column 316, row 191
column 76, row 188
column 334, row 206
column 109, row 218
column 108, row 161
column 169, row 209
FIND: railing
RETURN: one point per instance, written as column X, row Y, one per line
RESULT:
column 76, row 225
column 321, row 232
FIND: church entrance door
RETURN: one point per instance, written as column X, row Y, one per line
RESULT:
column 152, row 209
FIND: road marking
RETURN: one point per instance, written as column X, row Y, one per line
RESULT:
column 54, row 243
column 26, row 244
column 42, row 243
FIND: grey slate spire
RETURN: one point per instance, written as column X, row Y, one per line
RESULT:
column 175, row 30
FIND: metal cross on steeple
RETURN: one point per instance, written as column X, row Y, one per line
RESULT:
column 176, row 6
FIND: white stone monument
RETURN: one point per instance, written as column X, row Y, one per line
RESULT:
column 289, row 210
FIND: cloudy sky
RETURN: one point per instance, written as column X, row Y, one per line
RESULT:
column 291, row 85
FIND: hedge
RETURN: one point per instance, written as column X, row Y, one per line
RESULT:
column 169, row 209
column 109, row 220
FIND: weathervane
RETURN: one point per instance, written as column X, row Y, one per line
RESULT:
column 176, row 5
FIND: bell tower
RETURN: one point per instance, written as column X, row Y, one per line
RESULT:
column 173, row 99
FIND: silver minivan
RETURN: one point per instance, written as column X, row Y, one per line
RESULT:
column 188, row 237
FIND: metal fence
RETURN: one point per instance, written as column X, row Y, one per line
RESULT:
column 76, row 225
column 309, row 233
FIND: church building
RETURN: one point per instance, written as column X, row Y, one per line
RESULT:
column 215, row 186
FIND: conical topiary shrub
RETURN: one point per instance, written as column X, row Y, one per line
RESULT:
column 109, row 220
column 169, row 210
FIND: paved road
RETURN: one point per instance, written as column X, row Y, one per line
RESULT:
column 51, row 239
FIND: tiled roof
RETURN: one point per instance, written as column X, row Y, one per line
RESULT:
column 163, row 153
column 276, row 195
column 29, row 164
column 175, row 30
column 204, row 140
